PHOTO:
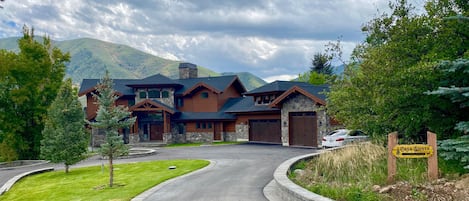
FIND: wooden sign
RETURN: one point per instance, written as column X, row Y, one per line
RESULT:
column 412, row 151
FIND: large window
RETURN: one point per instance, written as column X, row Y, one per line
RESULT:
column 204, row 125
column 153, row 94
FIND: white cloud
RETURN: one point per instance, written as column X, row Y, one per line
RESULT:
column 265, row 37
column 280, row 78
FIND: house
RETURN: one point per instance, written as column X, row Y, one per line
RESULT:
column 207, row 109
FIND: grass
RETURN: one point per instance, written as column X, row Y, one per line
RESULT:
column 91, row 183
column 350, row 173
column 201, row 144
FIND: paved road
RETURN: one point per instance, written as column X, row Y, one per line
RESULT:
column 239, row 172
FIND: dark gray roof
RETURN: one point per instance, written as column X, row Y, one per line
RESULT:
column 119, row 85
column 246, row 104
column 124, row 86
column 219, row 82
column 157, row 79
column 317, row 90
column 277, row 86
column 205, row 116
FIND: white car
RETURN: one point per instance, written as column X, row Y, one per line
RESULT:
column 342, row 137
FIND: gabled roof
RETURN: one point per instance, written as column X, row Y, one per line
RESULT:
column 120, row 85
column 312, row 92
column 151, row 105
column 155, row 80
column 200, row 85
column 246, row 104
column 277, row 86
column 216, row 84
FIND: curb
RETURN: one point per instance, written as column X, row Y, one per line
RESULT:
column 147, row 193
column 285, row 189
column 16, row 178
column 40, row 162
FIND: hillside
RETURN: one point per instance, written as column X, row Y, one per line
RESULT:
column 249, row 80
column 90, row 58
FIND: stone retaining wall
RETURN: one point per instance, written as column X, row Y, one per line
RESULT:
column 289, row 191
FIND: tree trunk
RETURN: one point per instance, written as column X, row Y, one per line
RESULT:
column 111, row 171
column 66, row 168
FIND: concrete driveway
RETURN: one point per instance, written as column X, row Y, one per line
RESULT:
column 238, row 172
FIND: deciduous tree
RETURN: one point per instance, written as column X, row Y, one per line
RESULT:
column 29, row 83
column 384, row 90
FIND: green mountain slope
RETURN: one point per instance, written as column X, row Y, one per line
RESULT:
column 90, row 58
column 249, row 80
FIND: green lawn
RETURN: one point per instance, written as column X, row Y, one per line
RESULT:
column 91, row 183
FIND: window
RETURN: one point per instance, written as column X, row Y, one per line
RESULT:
column 143, row 94
column 180, row 102
column 209, row 125
column 131, row 102
column 153, row 94
column 204, row 95
column 197, row 125
column 165, row 94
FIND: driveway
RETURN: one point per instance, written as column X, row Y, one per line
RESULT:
column 239, row 172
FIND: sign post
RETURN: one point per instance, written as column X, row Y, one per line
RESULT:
column 428, row 150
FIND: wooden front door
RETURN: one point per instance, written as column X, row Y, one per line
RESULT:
column 303, row 129
column 156, row 131
column 216, row 131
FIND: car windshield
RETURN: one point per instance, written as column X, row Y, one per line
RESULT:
column 337, row 133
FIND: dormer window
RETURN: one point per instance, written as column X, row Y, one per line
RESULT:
column 153, row 94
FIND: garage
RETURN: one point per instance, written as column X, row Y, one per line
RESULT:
column 303, row 129
column 266, row 130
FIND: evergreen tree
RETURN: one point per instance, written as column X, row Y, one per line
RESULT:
column 321, row 64
column 111, row 118
column 455, row 86
column 64, row 139
column 29, row 81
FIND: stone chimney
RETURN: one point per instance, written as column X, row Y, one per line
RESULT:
column 187, row 71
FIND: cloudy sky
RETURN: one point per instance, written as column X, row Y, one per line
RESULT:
column 273, row 39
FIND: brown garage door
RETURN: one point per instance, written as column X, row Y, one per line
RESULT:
column 303, row 129
column 265, row 131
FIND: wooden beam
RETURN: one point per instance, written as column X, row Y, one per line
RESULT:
column 392, row 142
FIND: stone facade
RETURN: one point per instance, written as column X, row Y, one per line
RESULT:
column 133, row 138
column 204, row 137
column 230, row 136
column 242, row 132
column 301, row 103
column 97, row 137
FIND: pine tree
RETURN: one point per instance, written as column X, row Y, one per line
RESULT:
column 321, row 64
column 64, row 139
column 111, row 118
column 456, row 88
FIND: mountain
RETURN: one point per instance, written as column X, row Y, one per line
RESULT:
column 248, row 79
column 90, row 58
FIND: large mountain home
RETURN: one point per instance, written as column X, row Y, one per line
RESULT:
column 207, row 109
